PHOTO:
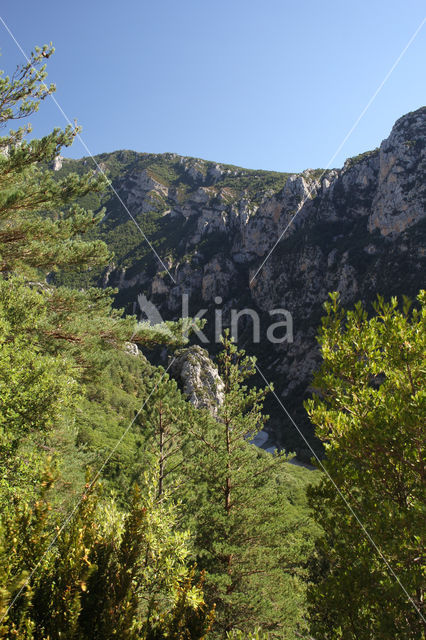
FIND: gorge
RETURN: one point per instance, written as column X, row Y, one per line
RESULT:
column 359, row 230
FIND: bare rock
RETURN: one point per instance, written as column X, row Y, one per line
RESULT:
column 400, row 201
column 198, row 377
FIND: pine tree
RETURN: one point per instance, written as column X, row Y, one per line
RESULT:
column 55, row 342
column 249, row 537
column 369, row 410
column 163, row 426
column 36, row 229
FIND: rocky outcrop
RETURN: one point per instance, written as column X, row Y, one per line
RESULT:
column 144, row 192
column 132, row 349
column 57, row 163
column 198, row 377
column 401, row 191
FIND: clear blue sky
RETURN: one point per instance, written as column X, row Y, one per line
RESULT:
column 274, row 84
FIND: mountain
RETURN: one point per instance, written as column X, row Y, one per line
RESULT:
column 359, row 230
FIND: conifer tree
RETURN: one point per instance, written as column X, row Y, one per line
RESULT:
column 36, row 231
column 163, row 426
column 249, row 537
column 115, row 574
column 73, row 334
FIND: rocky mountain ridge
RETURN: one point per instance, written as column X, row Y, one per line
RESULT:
column 359, row 230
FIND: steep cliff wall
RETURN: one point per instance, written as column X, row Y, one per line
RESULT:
column 359, row 230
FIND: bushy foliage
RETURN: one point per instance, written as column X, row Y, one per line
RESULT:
column 258, row 634
column 107, row 574
column 369, row 409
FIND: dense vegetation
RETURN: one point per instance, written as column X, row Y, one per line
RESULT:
column 370, row 410
column 106, row 512
column 127, row 513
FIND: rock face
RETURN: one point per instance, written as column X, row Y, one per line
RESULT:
column 401, row 193
column 57, row 163
column 132, row 349
column 198, row 378
column 359, row 230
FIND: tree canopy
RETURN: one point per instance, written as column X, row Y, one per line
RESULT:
column 369, row 409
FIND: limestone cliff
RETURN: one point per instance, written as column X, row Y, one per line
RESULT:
column 359, row 230
column 198, row 378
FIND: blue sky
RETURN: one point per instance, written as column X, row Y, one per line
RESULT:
column 271, row 85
